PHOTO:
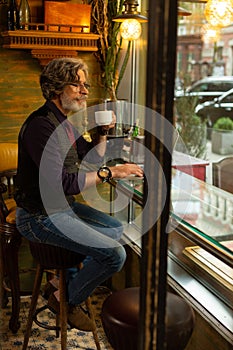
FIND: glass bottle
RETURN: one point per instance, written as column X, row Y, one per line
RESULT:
column 13, row 16
column 24, row 14
column 135, row 130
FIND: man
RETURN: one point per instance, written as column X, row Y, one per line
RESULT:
column 48, row 176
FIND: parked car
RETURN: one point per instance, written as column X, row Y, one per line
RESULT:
column 207, row 88
column 221, row 106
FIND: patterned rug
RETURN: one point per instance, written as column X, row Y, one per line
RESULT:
column 42, row 339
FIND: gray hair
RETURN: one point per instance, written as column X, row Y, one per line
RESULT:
column 58, row 73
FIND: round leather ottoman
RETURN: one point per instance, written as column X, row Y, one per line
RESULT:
column 120, row 318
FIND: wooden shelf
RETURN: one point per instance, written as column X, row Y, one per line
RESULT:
column 47, row 44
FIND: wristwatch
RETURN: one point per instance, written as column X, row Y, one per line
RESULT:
column 104, row 173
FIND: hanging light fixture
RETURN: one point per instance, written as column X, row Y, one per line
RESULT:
column 219, row 13
column 131, row 19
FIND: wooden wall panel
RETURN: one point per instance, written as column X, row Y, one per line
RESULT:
column 20, row 92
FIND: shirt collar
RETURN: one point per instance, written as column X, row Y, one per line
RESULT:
column 59, row 115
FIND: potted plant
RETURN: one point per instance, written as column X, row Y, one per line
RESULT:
column 110, row 44
column 191, row 128
column 222, row 136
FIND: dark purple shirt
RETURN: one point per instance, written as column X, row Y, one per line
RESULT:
column 36, row 135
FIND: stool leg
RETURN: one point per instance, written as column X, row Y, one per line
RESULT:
column 91, row 312
column 35, row 294
column 63, row 309
column 11, row 249
column 3, row 294
column 57, row 325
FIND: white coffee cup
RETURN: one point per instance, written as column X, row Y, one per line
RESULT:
column 103, row 117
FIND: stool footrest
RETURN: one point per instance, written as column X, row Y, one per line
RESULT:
column 42, row 324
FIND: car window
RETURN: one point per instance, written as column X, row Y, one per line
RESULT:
column 224, row 86
column 218, row 86
column 200, row 88
column 228, row 99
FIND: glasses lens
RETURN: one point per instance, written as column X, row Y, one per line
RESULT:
column 81, row 86
column 87, row 86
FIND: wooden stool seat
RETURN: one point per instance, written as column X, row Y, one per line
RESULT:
column 120, row 318
column 55, row 258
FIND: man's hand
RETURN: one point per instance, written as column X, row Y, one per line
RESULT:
column 106, row 128
column 124, row 170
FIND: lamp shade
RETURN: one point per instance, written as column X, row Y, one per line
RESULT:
column 219, row 13
column 130, row 29
column 130, row 12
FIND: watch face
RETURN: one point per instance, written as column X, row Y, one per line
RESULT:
column 103, row 173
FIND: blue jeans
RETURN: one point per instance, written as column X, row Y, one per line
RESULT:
column 84, row 230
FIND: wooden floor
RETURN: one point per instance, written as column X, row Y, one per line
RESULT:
column 44, row 339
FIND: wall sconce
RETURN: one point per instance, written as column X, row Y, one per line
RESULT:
column 131, row 19
column 219, row 13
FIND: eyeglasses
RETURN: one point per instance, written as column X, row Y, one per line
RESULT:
column 80, row 86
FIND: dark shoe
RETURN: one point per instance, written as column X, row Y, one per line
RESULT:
column 78, row 318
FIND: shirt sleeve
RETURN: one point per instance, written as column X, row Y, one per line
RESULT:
column 86, row 150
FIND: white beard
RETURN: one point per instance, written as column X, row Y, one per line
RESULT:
column 72, row 105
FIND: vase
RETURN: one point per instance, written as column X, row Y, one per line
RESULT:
column 24, row 15
column 222, row 142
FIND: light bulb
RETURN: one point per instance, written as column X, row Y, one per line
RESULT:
column 219, row 13
column 130, row 29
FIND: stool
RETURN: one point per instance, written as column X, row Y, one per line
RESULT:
column 120, row 319
column 10, row 238
column 55, row 258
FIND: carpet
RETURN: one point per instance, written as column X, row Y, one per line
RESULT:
column 42, row 339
